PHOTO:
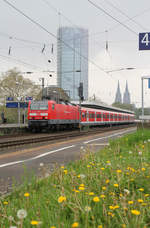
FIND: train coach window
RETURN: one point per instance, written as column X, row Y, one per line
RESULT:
column 98, row 115
column 83, row 115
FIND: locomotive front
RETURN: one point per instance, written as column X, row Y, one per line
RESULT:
column 38, row 114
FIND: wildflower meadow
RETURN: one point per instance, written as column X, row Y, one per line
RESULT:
column 108, row 189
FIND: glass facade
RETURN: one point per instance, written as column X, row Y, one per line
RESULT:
column 72, row 60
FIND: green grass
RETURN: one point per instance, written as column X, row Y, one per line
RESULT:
column 107, row 189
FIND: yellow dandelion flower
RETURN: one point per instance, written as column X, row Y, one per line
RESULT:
column 146, row 195
column 116, row 206
column 102, row 196
column 135, row 212
column 100, row 226
column 26, row 194
column 62, row 167
column 119, row 171
column 111, row 207
column 34, row 222
column 143, row 169
column 143, row 146
column 116, row 185
column 140, row 200
column 120, row 194
column 77, row 191
column 75, row 224
column 123, row 226
column 111, row 214
column 81, row 185
column 141, row 189
column 65, row 171
column 102, row 168
column 81, row 188
column 88, row 166
column 96, row 199
column 130, row 202
column 61, row 199
column 5, row 202
column 107, row 181
column 52, row 226
column 78, row 176
column 104, row 188
column 91, row 193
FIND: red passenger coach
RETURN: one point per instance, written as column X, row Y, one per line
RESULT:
column 49, row 114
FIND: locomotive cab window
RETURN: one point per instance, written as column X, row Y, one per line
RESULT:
column 39, row 105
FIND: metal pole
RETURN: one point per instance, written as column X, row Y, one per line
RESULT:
column 42, row 88
column 142, row 100
column 80, row 113
column 19, row 113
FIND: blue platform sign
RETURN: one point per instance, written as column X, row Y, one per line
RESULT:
column 149, row 83
column 9, row 98
column 12, row 105
column 16, row 105
column 144, row 41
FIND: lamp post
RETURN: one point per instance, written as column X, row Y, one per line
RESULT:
column 142, row 95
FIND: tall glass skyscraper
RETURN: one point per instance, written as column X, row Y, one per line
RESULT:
column 72, row 60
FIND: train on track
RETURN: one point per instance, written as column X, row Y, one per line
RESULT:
column 49, row 114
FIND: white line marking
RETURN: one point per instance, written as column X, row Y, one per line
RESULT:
column 36, row 157
column 105, row 137
column 100, row 144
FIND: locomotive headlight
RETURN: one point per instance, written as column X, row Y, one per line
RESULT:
column 33, row 114
column 44, row 114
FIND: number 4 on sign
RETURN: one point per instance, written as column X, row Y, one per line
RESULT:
column 145, row 39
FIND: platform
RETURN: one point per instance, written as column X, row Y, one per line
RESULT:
column 13, row 125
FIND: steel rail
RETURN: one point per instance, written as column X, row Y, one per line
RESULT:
column 20, row 142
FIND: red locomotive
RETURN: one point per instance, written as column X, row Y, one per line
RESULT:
column 51, row 114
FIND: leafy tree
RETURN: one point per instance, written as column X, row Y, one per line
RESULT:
column 13, row 84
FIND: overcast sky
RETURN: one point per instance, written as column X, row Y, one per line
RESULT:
column 27, row 41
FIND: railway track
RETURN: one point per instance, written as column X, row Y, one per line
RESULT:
column 11, row 142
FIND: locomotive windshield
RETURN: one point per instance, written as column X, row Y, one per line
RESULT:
column 39, row 105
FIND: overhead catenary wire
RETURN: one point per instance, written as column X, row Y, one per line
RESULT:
column 124, row 14
column 108, row 14
column 22, row 40
column 51, row 34
column 19, row 61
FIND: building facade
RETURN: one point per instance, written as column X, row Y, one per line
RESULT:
column 72, row 60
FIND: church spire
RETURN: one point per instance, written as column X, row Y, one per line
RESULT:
column 118, row 98
column 126, row 96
